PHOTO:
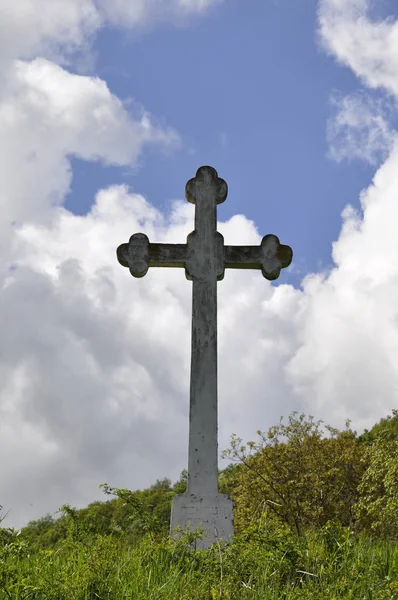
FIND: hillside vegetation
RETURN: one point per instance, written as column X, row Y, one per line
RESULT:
column 314, row 517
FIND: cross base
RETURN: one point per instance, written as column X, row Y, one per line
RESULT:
column 212, row 512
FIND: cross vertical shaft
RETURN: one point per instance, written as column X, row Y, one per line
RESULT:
column 202, row 447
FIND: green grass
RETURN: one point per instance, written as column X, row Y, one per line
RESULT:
column 264, row 563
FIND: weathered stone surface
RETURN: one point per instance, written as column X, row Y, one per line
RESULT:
column 139, row 254
column 204, row 258
column 213, row 512
column 271, row 256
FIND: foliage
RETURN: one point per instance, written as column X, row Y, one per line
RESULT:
column 304, row 481
column 377, row 508
column 314, row 518
column 148, row 520
column 388, row 424
column 264, row 562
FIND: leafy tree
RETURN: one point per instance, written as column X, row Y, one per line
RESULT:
column 37, row 531
column 228, row 479
column 98, row 518
column 180, row 487
column 303, row 482
column 144, row 517
column 377, row 508
column 388, row 424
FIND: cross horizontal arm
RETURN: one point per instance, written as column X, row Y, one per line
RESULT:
column 139, row 254
column 270, row 256
column 167, row 255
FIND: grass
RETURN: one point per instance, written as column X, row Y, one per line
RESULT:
column 264, row 563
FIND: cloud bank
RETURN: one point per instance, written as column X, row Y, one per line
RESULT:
column 94, row 364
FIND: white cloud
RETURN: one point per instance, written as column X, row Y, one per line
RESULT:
column 57, row 29
column 368, row 47
column 142, row 12
column 361, row 128
column 347, row 363
column 102, row 383
column 31, row 28
column 48, row 115
column 67, row 363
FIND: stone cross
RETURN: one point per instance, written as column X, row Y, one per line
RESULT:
column 204, row 258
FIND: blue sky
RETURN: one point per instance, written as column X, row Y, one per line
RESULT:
column 106, row 111
column 249, row 93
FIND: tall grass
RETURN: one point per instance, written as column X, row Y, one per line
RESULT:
column 263, row 563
